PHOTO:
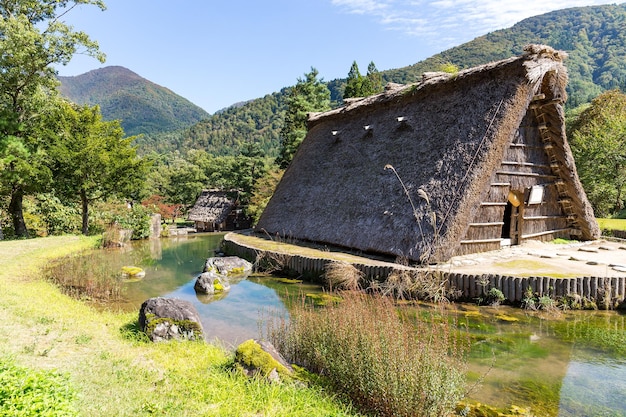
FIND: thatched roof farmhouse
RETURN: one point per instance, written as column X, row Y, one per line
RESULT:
column 217, row 210
column 455, row 164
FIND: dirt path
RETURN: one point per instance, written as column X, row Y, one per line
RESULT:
column 599, row 258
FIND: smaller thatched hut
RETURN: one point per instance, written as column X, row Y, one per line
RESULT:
column 455, row 164
column 217, row 210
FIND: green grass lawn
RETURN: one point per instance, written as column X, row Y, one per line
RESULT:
column 111, row 370
column 612, row 224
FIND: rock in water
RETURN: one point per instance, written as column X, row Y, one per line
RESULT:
column 218, row 273
column 210, row 283
column 170, row 318
column 228, row 266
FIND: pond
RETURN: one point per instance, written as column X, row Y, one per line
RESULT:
column 171, row 266
column 565, row 364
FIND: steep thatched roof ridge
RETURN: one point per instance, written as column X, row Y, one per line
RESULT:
column 403, row 172
column 538, row 59
column 213, row 206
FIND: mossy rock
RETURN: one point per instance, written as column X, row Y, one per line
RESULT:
column 260, row 358
column 133, row 272
column 167, row 318
column 210, row 282
column 236, row 271
column 476, row 409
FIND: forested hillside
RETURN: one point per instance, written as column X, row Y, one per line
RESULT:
column 594, row 37
column 225, row 133
column 141, row 105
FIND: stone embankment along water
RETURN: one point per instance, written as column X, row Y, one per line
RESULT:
column 470, row 286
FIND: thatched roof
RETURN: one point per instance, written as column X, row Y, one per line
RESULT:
column 213, row 206
column 402, row 172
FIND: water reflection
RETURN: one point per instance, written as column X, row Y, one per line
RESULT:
column 594, row 388
column 572, row 366
column 235, row 317
column 172, row 266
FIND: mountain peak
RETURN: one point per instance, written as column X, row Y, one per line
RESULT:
column 141, row 105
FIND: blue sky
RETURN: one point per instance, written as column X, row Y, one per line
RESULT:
column 216, row 53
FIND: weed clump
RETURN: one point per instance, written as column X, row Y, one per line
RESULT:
column 343, row 276
column 86, row 277
column 26, row 392
column 386, row 363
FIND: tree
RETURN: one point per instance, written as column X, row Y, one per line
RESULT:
column 93, row 160
column 310, row 94
column 360, row 86
column 373, row 83
column 264, row 188
column 354, row 83
column 185, row 181
column 33, row 37
column 598, row 140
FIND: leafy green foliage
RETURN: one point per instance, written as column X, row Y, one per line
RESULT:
column 181, row 179
column 360, row 86
column 310, row 94
column 93, row 160
column 354, row 82
column 263, row 190
column 46, row 215
column 136, row 218
column 32, row 38
column 598, row 141
column 30, row 393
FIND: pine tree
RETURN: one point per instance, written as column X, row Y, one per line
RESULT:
column 310, row 94
column 373, row 82
column 354, row 83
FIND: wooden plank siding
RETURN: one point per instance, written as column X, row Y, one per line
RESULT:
column 525, row 164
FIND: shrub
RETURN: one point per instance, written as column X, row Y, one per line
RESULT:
column 25, row 392
column 387, row 364
column 495, row 296
column 137, row 218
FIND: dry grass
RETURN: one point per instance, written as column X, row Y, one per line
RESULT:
column 416, row 284
column 343, row 276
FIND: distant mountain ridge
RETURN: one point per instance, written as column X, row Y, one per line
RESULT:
column 593, row 36
column 143, row 106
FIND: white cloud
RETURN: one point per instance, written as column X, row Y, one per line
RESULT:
column 461, row 20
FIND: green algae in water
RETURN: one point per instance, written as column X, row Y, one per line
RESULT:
column 532, row 362
column 323, row 299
